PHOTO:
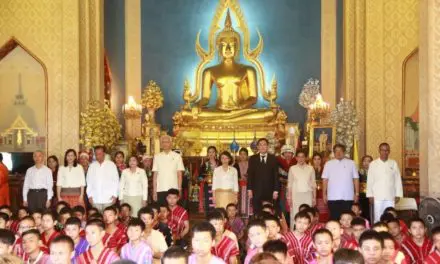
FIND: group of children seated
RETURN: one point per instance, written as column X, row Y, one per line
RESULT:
column 160, row 234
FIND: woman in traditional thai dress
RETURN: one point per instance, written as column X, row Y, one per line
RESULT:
column 363, row 173
column 225, row 182
column 242, row 164
column 301, row 187
column 53, row 164
column 71, row 180
column 285, row 161
column 120, row 162
column 206, row 170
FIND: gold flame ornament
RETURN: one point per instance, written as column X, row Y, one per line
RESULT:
column 99, row 126
column 152, row 97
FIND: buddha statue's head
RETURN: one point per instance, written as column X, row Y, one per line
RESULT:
column 228, row 41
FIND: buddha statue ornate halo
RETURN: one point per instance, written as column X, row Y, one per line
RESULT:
column 238, row 86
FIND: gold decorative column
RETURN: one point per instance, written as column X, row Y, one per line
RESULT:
column 429, row 97
column 354, row 61
column 91, row 45
column 133, row 79
column 328, row 51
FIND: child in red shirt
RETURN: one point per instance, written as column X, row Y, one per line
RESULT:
column 434, row 257
column 417, row 247
column 48, row 223
column 224, row 247
column 115, row 237
column 178, row 219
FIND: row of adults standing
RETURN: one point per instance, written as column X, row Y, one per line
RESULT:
column 285, row 181
column 288, row 181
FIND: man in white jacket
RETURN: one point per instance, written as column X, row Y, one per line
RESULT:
column 384, row 184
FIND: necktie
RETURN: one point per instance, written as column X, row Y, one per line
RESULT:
column 263, row 159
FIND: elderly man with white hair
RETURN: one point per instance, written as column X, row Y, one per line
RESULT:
column 167, row 170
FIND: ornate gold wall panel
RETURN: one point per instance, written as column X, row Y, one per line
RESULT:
column 378, row 35
column 50, row 30
column 429, row 51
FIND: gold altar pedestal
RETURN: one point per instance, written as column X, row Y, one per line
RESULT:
column 221, row 133
column 238, row 86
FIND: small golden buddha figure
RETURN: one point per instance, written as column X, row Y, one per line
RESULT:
column 237, row 87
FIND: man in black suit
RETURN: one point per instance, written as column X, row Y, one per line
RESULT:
column 263, row 182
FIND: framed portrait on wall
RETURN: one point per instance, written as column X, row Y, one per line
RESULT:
column 322, row 139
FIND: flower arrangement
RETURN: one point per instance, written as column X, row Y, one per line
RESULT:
column 152, row 97
column 309, row 92
column 99, row 126
column 345, row 118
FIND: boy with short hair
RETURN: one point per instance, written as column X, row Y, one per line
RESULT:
column 224, row 247
column 13, row 225
column 357, row 210
column 272, row 226
column 161, row 220
column 80, row 213
column 371, row 246
column 358, row 226
column 48, row 223
column 403, row 225
column 125, row 213
column 314, row 216
column 25, row 224
column 345, row 221
column 136, row 249
column 178, row 218
column 4, row 220
column 202, row 242
column 31, row 247
column 7, row 239
column 335, row 228
column 97, row 252
column 300, row 244
column 154, row 238
column 390, row 253
column 73, row 229
column 115, row 237
column 257, row 234
column 417, row 247
column 434, row 257
column 91, row 212
column 323, row 243
column 235, row 223
column 64, row 214
column 277, row 248
column 37, row 215
column 62, row 250
column 396, row 231
column 175, row 255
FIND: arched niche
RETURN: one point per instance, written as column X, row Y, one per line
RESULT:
column 410, row 112
column 23, row 100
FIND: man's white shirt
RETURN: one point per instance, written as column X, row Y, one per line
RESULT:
column 384, row 182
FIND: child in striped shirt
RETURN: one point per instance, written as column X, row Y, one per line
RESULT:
column 97, row 252
column 417, row 247
column 224, row 247
column 136, row 249
column 300, row 244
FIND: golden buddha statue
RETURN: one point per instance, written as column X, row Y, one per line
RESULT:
column 237, row 88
